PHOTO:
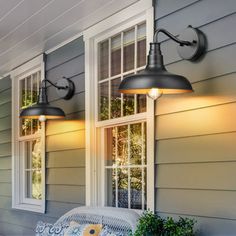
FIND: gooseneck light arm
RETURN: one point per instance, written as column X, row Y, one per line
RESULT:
column 54, row 85
column 167, row 33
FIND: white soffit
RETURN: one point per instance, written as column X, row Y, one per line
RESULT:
column 31, row 27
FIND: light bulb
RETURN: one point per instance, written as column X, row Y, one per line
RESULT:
column 154, row 93
column 42, row 118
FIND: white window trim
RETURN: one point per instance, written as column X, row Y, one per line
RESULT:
column 17, row 200
column 136, row 13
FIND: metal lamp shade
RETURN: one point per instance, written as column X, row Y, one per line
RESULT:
column 155, row 76
column 166, row 82
column 42, row 109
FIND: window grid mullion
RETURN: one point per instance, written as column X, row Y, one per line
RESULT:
column 31, row 101
column 109, row 81
column 135, row 63
column 129, row 197
column 122, row 69
column 116, row 169
column 143, row 168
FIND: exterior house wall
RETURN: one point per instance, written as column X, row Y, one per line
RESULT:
column 65, row 146
column 195, row 133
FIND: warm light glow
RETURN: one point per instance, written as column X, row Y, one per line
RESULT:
column 42, row 118
column 154, row 93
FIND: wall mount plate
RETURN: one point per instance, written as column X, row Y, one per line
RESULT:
column 197, row 49
column 69, row 88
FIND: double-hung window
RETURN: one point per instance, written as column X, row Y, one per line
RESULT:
column 28, row 139
column 120, row 127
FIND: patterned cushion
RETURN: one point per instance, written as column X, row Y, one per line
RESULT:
column 76, row 229
column 109, row 232
column 45, row 229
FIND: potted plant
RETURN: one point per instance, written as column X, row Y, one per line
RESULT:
column 152, row 224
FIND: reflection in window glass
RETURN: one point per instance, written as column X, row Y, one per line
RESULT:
column 116, row 55
column 29, row 87
column 33, row 168
column 122, row 185
column 103, row 60
column 122, row 145
column 141, row 45
column 136, row 188
column 126, row 166
column 128, row 60
column 115, row 99
column 103, row 101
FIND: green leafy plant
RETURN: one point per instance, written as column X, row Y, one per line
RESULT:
column 152, row 224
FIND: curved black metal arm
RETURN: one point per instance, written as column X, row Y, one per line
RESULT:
column 54, row 85
column 180, row 42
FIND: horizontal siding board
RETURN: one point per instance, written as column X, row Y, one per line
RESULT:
column 5, row 96
column 5, row 136
column 5, row 202
column 68, row 158
column 5, row 176
column 66, row 176
column 64, row 126
column 70, row 140
column 63, row 193
column 5, row 109
column 5, row 83
column 79, row 82
column 75, row 104
column 210, row 66
column 65, row 53
column 5, row 189
column 166, row 7
column 216, row 33
column 198, row 14
column 76, row 115
column 194, row 202
column 5, row 162
column 210, row 120
column 207, row 148
column 206, row 93
column 5, row 149
column 57, row 209
column 5, row 123
column 68, row 69
column 217, row 176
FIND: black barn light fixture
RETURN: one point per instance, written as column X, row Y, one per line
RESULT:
column 43, row 110
column 155, row 80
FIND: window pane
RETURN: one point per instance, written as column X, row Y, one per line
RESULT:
column 141, row 103
column 111, row 146
column 36, row 154
column 115, row 98
column 103, row 60
column 33, row 162
column 34, row 184
column 116, row 55
column 122, row 145
column 35, row 87
column 128, row 103
column 37, row 184
column 122, row 176
column 103, row 101
column 128, row 50
column 145, row 188
column 144, row 130
column 136, row 144
column 141, row 45
column 111, row 187
column 136, row 188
